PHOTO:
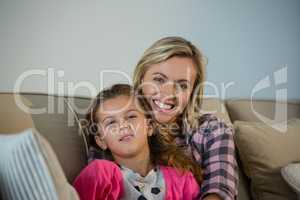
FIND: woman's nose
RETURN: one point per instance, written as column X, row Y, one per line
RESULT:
column 169, row 89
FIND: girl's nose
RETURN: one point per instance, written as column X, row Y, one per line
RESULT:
column 123, row 123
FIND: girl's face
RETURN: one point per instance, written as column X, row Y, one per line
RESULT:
column 124, row 129
column 167, row 87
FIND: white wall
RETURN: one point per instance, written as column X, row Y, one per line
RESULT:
column 245, row 41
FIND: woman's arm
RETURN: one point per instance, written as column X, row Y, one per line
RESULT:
column 214, row 149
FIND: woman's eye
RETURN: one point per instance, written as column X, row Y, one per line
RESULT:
column 159, row 80
column 183, row 86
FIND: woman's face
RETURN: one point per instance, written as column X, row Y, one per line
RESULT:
column 167, row 87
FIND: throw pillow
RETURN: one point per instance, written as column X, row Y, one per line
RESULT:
column 263, row 152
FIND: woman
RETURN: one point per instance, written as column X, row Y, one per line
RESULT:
column 170, row 77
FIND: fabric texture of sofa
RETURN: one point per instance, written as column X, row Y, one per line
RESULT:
column 59, row 120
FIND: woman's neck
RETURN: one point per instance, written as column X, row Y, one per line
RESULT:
column 140, row 163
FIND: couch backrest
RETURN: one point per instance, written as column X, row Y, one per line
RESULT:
column 217, row 107
column 12, row 118
column 242, row 110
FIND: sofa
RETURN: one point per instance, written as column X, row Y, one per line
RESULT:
column 59, row 120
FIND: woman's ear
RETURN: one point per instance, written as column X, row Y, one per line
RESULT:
column 100, row 142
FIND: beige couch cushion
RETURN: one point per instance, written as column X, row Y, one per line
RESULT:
column 63, row 188
column 263, row 152
column 241, row 109
column 13, row 119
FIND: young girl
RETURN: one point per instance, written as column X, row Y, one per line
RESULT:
column 170, row 76
column 139, row 155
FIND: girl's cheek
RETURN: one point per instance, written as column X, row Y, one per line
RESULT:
column 110, row 133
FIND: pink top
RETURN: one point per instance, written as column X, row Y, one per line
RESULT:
column 103, row 179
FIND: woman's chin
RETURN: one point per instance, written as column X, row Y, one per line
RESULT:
column 163, row 118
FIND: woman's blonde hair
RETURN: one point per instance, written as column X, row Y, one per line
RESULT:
column 165, row 49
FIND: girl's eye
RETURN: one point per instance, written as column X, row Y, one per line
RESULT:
column 110, row 123
column 159, row 80
column 132, row 116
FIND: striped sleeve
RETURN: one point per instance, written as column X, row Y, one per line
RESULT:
column 213, row 148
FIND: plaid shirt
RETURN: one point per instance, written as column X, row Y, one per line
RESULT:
column 212, row 146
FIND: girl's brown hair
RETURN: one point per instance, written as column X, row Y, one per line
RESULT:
column 162, row 149
column 165, row 49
